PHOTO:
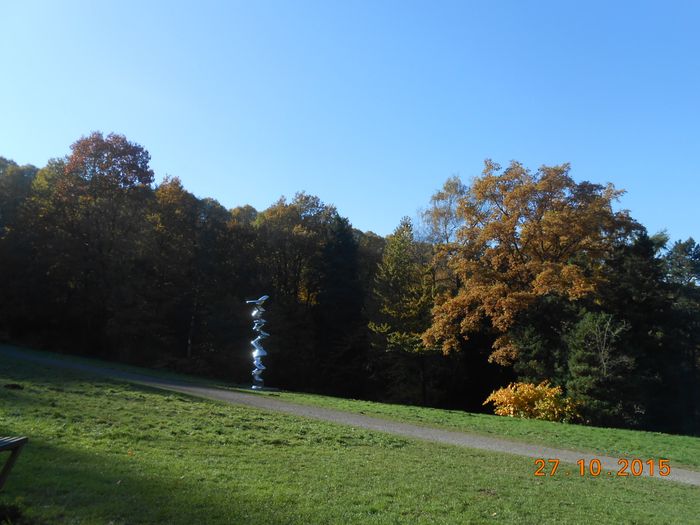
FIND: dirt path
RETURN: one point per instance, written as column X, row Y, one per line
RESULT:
column 348, row 418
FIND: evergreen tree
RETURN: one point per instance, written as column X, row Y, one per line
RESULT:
column 402, row 294
column 600, row 371
column 339, row 322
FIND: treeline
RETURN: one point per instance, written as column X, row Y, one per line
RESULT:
column 519, row 276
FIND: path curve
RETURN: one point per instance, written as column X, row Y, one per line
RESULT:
column 348, row 418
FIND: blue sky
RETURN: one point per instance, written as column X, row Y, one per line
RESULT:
column 370, row 105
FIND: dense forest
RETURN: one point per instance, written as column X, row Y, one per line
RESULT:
column 517, row 276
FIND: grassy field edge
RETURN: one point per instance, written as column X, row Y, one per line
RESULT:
column 682, row 451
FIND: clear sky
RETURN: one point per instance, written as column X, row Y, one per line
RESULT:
column 370, row 105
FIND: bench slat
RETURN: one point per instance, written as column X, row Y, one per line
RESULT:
column 7, row 443
column 14, row 445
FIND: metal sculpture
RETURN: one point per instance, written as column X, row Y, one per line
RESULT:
column 258, row 352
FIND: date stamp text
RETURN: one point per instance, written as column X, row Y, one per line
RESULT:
column 627, row 467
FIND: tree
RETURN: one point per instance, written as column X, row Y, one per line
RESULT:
column 524, row 236
column 402, row 294
column 338, row 317
column 441, row 218
column 290, row 242
column 400, row 285
column 110, row 160
column 91, row 217
column 244, row 215
column 683, row 282
column 599, row 370
column 15, row 185
column 683, row 261
column 641, row 293
column 543, row 352
column 291, row 237
column 15, row 255
column 173, row 262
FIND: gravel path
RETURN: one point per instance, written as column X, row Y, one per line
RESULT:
column 347, row 418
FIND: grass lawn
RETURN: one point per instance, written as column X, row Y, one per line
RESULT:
column 682, row 451
column 103, row 451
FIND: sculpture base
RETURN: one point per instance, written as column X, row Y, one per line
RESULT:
column 259, row 388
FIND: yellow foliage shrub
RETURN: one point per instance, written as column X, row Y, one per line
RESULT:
column 531, row 401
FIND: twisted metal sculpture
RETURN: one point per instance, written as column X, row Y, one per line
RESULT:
column 259, row 352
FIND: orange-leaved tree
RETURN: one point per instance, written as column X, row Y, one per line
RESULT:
column 523, row 235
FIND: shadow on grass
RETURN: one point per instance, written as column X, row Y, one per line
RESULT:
column 62, row 372
column 66, row 474
column 102, row 368
column 58, row 484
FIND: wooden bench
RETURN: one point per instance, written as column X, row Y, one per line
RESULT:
column 14, row 445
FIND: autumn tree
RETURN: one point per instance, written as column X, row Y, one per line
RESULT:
column 221, row 283
column 16, row 257
column 15, row 184
column 40, row 276
column 291, row 236
column 91, row 220
column 440, row 222
column 524, row 235
column 441, row 219
column 173, row 221
column 111, row 161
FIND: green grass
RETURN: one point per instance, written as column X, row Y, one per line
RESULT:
column 680, row 450
column 104, row 452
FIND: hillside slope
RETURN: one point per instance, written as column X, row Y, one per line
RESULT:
column 106, row 451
